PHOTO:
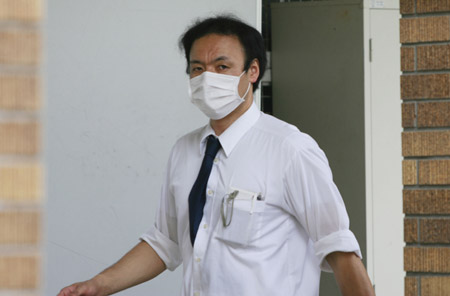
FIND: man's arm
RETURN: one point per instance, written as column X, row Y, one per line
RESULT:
column 350, row 274
column 140, row 264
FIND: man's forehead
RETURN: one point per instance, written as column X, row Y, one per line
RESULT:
column 221, row 46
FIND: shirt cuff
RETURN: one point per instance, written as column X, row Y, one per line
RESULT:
column 340, row 241
column 166, row 249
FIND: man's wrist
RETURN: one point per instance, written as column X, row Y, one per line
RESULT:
column 100, row 281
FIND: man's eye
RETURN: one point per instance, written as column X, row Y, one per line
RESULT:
column 223, row 67
column 196, row 69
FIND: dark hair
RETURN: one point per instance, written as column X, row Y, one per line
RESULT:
column 250, row 39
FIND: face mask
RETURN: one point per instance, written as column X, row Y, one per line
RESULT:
column 216, row 95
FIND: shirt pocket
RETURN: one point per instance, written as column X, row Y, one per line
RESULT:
column 240, row 219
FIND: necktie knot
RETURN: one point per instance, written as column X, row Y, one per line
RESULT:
column 212, row 146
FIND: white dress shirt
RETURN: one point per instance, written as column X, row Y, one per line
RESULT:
column 287, row 216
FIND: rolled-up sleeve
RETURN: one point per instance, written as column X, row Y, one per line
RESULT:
column 166, row 249
column 313, row 198
column 163, row 235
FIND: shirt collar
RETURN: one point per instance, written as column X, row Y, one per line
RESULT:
column 231, row 136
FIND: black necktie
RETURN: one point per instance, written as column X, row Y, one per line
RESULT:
column 197, row 197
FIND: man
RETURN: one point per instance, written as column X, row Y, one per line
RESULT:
column 248, row 204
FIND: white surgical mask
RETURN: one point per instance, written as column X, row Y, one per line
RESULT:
column 215, row 94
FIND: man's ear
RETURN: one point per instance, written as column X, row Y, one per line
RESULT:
column 253, row 71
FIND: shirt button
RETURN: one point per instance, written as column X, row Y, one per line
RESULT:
column 205, row 225
column 198, row 260
column 210, row 192
column 197, row 294
column 216, row 160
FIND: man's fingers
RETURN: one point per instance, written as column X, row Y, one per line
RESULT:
column 64, row 292
column 73, row 290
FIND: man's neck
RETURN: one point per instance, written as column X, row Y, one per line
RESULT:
column 220, row 125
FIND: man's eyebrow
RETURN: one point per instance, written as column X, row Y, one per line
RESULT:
column 221, row 58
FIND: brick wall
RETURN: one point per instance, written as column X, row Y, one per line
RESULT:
column 20, row 147
column 425, row 92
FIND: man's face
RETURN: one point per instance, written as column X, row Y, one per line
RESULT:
column 221, row 54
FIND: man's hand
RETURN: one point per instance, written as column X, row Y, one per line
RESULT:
column 87, row 288
column 140, row 264
column 350, row 274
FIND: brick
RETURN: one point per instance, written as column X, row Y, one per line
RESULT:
column 21, row 10
column 428, row 86
column 409, row 169
column 429, row 143
column 19, row 138
column 424, row 6
column 19, row 227
column 19, row 92
column 433, row 57
column 411, row 286
column 406, row 6
column 411, row 233
column 21, row 183
column 435, row 286
column 434, row 172
column 408, row 114
column 425, row 29
column 433, row 114
column 19, row 272
column 407, row 59
column 435, row 230
column 426, row 201
column 19, row 47
column 431, row 259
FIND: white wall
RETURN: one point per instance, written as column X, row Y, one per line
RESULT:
column 116, row 103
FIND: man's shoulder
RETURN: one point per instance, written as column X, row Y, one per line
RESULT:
column 275, row 127
column 285, row 133
column 190, row 138
column 196, row 133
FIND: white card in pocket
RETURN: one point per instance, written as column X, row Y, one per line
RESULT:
column 245, row 200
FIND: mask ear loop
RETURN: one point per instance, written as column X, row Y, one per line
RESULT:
column 248, row 88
